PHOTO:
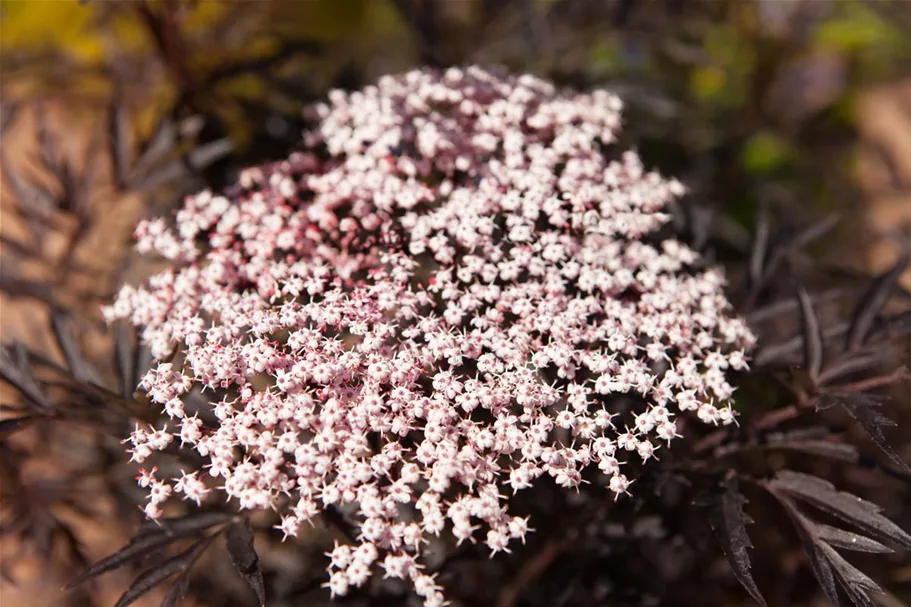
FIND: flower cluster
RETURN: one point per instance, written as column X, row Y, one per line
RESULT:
column 447, row 295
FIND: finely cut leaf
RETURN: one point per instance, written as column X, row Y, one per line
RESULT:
column 32, row 198
column 8, row 112
column 783, row 350
column 827, row 564
column 824, row 448
column 185, row 524
column 872, row 302
column 864, row 411
column 152, row 577
column 728, row 520
column 21, row 249
column 848, row 540
column 118, row 129
column 899, row 324
column 142, row 362
column 856, row 362
column 785, row 306
column 823, row 495
column 197, row 159
column 812, row 338
column 209, row 153
column 14, row 424
column 175, row 591
column 760, row 246
column 20, row 287
column 857, row 584
column 125, row 361
column 801, row 240
column 818, row 562
column 150, row 539
column 15, row 369
column 152, row 151
column 813, row 232
column 244, row 557
column 79, row 365
column 47, row 141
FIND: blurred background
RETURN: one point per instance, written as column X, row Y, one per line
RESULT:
column 112, row 110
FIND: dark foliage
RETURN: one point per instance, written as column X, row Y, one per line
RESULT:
column 729, row 522
column 833, row 345
column 243, row 554
column 717, row 464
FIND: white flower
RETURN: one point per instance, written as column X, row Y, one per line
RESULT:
column 451, row 258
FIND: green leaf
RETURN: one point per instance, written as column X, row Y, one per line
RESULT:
column 764, row 153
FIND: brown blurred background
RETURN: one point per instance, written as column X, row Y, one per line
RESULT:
column 112, row 110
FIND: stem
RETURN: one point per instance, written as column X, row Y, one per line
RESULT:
column 872, row 383
column 533, row 568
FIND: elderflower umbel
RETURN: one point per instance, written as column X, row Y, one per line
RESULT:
column 453, row 260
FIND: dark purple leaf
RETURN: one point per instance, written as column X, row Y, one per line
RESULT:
column 197, row 159
column 83, row 191
column 14, row 246
column 142, row 362
column 161, row 143
column 118, row 129
column 191, row 126
column 723, row 228
column 812, row 338
column 47, row 143
column 865, row 412
column 872, row 302
column 856, row 362
column 124, row 357
column 79, row 365
column 848, row 540
column 31, row 197
column 806, row 530
column 73, row 546
column 796, row 434
column 785, row 306
column 823, row 448
column 175, row 591
column 184, row 525
column 14, row 409
column 15, row 369
column 701, row 220
column 8, row 113
column 858, row 585
column 152, row 577
column 20, row 287
column 728, row 520
column 783, row 350
column 801, row 240
column 335, row 518
column 151, row 538
column 261, row 65
column 244, row 557
column 205, row 155
column 70, row 201
column 760, row 247
column 823, row 495
column 899, row 324
column 13, row 424
column 813, row 232
column 161, row 176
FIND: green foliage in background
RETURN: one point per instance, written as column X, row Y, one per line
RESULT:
column 734, row 92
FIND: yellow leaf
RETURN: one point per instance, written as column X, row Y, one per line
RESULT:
column 60, row 26
column 708, row 82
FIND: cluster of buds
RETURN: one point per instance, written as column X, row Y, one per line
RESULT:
column 449, row 294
